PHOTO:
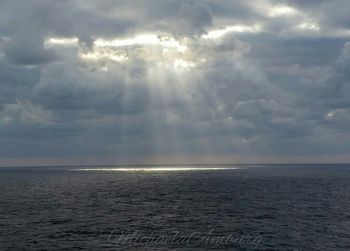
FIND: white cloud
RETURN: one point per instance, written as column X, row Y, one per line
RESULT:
column 62, row 41
column 214, row 34
column 281, row 10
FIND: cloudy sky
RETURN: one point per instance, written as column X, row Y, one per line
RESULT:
column 174, row 81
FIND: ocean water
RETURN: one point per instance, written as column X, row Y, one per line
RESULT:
column 258, row 207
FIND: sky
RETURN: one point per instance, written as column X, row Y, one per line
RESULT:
column 174, row 81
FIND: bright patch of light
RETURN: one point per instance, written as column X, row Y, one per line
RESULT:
column 145, row 39
column 161, row 50
column 281, row 11
column 213, row 34
column 179, row 64
column 99, row 54
column 330, row 115
column 138, row 40
column 153, row 169
column 309, row 26
column 183, row 64
column 170, row 42
column 62, row 41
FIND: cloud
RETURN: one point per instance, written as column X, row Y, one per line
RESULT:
column 171, row 78
column 25, row 52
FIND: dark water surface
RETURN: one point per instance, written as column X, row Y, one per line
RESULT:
column 268, row 207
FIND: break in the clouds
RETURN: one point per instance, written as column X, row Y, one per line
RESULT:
column 174, row 81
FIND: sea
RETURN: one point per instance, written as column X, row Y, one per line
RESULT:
column 200, row 207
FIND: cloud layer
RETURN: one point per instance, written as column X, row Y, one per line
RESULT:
column 167, row 81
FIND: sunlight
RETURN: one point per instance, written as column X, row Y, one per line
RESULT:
column 143, row 39
column 99, row 54
column 330, row 115
column 213, row 34
column 62, row 41
column 309, row 26
column 160, row 50
column 153, row 169
column 277, row 11
column 183, row 64
column 157, row 49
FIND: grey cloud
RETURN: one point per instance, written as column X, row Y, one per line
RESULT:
column 16, row 82
column 24, row 52
column 193, row 17
column 276, row 92
column 255, row 109
column 67, row 87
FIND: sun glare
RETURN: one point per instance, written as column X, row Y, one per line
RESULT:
column 153, row 169
column 143, row 39
column 162, row 49
column 157, row 49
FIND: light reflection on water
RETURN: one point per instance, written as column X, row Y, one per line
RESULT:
column 153, row 169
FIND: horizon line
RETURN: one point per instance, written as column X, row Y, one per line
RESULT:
column 195, row 164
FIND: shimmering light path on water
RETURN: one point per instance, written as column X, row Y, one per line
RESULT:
column 153, row 169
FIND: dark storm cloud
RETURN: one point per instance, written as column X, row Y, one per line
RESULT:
column 277, row 84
